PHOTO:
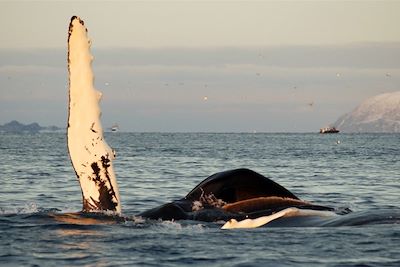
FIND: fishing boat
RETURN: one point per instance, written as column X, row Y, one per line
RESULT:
column 114, row 128
column 326, row 130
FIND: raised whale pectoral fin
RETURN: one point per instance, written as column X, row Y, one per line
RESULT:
column 90, row 155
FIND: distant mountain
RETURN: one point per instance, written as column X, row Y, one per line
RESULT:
column 378, row 114
column 16, row 127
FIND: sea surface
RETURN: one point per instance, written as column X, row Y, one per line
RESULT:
column 40, row 195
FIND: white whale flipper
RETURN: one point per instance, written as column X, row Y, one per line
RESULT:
column 254, row 223
column 90, row 155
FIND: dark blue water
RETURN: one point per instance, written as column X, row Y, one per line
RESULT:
column 39, row 195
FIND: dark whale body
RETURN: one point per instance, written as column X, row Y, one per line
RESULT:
column 237, row 194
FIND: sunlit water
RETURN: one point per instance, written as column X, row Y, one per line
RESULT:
column 39, row 190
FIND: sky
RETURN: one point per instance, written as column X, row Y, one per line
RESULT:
column 203, row 66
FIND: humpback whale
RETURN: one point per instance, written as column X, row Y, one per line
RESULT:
column 241, row 197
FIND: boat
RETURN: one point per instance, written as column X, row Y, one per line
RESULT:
column 328, row 130
column 114, row 128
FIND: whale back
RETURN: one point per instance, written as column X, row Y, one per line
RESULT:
column 237, row 185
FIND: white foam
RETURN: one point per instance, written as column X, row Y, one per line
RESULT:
column 28, row 208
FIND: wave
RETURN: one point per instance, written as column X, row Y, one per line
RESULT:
column 32, row 216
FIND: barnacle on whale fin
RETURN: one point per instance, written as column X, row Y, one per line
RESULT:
column 90, row 155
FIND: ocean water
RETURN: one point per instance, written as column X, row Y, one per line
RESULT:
column 39, row 194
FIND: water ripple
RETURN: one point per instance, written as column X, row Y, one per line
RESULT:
column 40, row 193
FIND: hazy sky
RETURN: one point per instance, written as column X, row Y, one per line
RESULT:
column 203, row 66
